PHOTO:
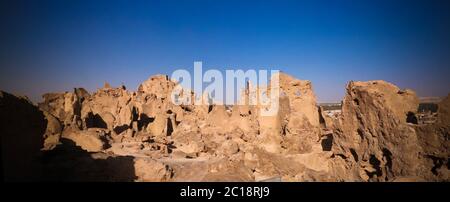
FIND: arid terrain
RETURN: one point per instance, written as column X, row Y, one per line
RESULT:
column 115, row 134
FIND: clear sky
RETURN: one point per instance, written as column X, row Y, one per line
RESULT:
column 57, row 45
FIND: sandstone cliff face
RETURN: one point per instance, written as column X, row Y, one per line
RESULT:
column 115, row 134
column 376, row 138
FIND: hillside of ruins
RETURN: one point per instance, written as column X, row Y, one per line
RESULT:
column 378, row 133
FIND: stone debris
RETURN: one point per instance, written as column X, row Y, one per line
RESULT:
column 115, row 134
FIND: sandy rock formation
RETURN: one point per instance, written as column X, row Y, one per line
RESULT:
column 91, row 140
column 148, row 170
column 108, row 108
column 302, row 100
column 66, row 107
column 162, row 124
column 295, row 127
column 159, row 85
column 373, row 136
column 53, row 132
column 271, row 128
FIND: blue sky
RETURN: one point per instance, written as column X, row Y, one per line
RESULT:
column 57, row 45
